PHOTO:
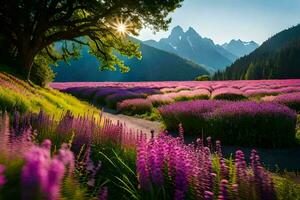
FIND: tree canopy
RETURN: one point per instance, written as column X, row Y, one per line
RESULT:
column 30, row 29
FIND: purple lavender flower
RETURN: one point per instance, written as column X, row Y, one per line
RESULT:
column 208, row 195
column 41, row 175
column 103, row 193
column 144, row 90
column 134, row 106
column 263, row 182
column 224, row 168
column 46, row 144
column 2, row 178
column 113, row 99
column 102, row 93
column 55, row 175
column 35, row 173
column 181, row 179
column 292, row 100
column 181, row 131
column 91, row 168
column 233, row 122
column 218, row 148
column 188, row 113
column 142, row 165
column 66, row 157
column 160, row 99
column 223, row 194
column 228, row 93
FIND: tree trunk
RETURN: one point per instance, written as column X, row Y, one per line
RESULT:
column 28, row 66
column 26, row 62
column 27, row 50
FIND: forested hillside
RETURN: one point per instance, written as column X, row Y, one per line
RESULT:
column 276, row 58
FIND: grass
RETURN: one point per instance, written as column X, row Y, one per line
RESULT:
column 286, row 187
column 16, row 94
column 152, row 116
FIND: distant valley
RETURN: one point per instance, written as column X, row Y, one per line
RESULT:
column 181, row 56
column 156, row 65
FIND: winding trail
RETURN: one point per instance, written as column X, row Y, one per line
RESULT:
column 133, row 123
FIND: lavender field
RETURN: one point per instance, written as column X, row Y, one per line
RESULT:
column 149, row 100
column 245, row 113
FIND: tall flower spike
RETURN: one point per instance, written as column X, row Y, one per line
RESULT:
column 218, row 149
column 181, row 131
column 181, row 182
column 208, row 195
column 55, row 176
column 142, row 167
column 2, row 178
column 42, row 175
column 103, row 194
column 223, row 194
column 209, row 144
column 35, row 173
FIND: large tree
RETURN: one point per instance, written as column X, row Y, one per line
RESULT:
column 30, row 29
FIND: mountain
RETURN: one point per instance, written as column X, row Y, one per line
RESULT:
column 276, row 58
column 192, row 46
column 240, row 48
column 156, row 65
column 232, row 57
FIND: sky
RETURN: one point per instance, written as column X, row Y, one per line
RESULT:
column 224, row 20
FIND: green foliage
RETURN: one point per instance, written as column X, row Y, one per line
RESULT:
column 230, row 97
column 286, row 188
column 190, row 98
column 112, row 100
column 152, row 116
column 41, row 75
column 11, row 101
column 134, row 108
column 12, row 188
column 72, row 190
column 202, row 78
column 118, row 169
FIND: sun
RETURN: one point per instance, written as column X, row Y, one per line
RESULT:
column 121, row 27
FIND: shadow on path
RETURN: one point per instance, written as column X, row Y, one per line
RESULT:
column 133, row 123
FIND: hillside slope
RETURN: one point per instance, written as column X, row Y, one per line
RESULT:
column 156, row 65
column 276, row 58
column 16, row 94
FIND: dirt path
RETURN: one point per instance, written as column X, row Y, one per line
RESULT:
column 133, row 123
